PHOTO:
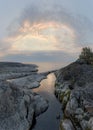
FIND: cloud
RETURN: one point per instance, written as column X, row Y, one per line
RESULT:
column 53, row 11
column 4, row 47
column 40, row 56
column 47, row 25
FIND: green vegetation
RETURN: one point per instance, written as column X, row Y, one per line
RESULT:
column 87, row 55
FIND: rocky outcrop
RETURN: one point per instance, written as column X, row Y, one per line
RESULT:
column 18, row 107
column 74, row 89
column 29, row 82
column 18, row 104
column 10, row 70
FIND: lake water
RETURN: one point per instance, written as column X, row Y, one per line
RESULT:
column 46, row 66
column 48, row 120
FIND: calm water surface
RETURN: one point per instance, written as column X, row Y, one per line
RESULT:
column 48, row 120
column 46, row 66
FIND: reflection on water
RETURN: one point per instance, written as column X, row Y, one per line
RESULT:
column 47, row 120
column 47, row 85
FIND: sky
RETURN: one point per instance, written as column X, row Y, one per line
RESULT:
column 45, row 30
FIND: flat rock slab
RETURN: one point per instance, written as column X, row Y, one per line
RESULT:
column 31, row 81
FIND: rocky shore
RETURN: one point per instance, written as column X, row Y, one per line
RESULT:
column 74, row 89
column 18, row 104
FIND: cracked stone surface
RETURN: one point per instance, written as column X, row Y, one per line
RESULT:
column 18, row 104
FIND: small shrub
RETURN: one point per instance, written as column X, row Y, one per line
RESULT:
column 87, row 55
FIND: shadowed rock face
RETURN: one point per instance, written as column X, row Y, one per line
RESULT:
column 18, row 104
column 74, row 89
column 13, row 108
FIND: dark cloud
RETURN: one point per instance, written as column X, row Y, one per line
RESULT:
column 46, row 56
column 52, row 10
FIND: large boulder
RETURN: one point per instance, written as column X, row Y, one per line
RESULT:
column 66, row 125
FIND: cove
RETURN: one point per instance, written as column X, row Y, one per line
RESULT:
column 48, row 120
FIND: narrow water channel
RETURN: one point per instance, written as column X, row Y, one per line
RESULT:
column 48, row 120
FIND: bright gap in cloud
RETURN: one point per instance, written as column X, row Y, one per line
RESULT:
column 45, row 36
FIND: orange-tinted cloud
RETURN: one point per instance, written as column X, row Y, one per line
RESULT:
column 45, row 36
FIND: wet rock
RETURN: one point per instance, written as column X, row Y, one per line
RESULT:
column 84, row 125
column 66, row 125
column 90, row 124
column 79, row 111
column 72, row 105
column 40, row 105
